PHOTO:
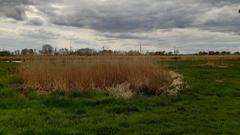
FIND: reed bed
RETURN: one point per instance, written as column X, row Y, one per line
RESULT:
column 68, row 74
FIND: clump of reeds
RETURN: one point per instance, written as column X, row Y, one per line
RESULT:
column 66, row 74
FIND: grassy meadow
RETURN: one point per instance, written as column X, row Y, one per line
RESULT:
column 208, row 104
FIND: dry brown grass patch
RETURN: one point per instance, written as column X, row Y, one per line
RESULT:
column 67, row 74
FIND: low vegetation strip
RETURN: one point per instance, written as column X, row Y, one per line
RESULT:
column 159, row 58
column 66, row 74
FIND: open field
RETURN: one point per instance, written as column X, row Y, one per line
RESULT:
column 209, row 104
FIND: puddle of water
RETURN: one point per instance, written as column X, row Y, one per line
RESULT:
column 13, row 61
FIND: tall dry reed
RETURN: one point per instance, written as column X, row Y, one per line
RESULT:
column 66, row 74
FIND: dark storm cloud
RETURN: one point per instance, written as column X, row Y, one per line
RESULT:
column 145, row 15
column 125, row 16
column 14, row 9
column 130, row 15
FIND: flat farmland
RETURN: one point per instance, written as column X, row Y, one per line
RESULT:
column 209, row 103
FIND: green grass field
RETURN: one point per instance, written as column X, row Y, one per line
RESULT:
column 210, row 104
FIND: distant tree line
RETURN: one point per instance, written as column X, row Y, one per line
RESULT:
column 49, row 50
column 5, row 53
column 217, row 53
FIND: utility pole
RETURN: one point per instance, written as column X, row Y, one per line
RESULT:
column 140, row 48
column 103, row 50
column 175, row 50
column 70, row 45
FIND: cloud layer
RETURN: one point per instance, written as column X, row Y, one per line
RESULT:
column 191, row 25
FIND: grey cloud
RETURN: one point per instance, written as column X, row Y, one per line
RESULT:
column 121, row 36
column 126, row 16
column 126, row 21
column 17, row 13
column 40, row 34
column 142, row 15
column 35, row 22
column 14, row 9
column 133, row 36
column 131, row 15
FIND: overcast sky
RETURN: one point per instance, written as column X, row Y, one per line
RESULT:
column 190, row 25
